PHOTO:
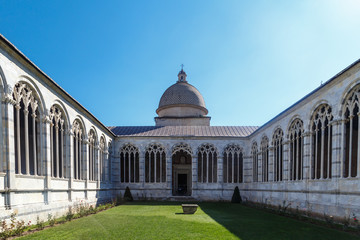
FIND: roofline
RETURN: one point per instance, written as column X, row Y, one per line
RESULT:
column 17, row 51
column 182, row 105
column 306, row 96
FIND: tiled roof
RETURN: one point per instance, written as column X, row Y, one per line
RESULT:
column 188, row 131
column 182, row 93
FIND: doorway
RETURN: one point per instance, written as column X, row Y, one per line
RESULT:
column 181, row 172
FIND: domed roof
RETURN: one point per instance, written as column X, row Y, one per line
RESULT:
column 182, row 93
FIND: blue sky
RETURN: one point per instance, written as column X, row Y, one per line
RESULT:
column 249, row 59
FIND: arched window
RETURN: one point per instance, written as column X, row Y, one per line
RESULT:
column 129, row 164
column 207, row 164
column 78, row 151
column 92, row 156
column 296, row 150
column 351, row 116
column 264, row 148
column 102, row 158
column 254, row 154
column 155, row 164
column 109, row 161
column 57, row 143
column 278, row 154
column 233, row 164
column 26, row 131
column 321, row 132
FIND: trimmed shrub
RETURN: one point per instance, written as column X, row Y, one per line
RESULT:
column 127, row 195
column 236, row 198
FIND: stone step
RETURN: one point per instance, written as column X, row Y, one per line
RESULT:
column 181, row 199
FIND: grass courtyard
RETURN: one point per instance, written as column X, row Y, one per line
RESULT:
column 163, row 220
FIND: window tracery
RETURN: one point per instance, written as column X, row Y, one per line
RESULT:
column 182, row 147
column 78, row 153
column 278, row 154
column 264, row 148
column 129, row 164
column 352, row 135
column 321, row 143
column 155, row 164
column 57, row 144
column 296, row 143
column 207, row 163
column 233, row 164
column 92, row 155
column 102, row 159
column 254, row 154
column 26, row 131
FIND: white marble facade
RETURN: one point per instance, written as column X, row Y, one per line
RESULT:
column 307, row 155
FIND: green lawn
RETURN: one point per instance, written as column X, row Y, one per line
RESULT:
column 164, row 221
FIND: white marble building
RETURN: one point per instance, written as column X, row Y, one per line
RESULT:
column 55, row 153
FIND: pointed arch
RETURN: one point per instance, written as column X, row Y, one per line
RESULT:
column 233, row 164
column 181, row 147
column 58, row 147
column 102, row 158
column 264, row 149
column 78, row 149
column 277, row 142
column 31, row 84
column 92, row 151
column 351, row 128
column 27, row 126
column 255, row 159
column 296, row 148
column 207, row 163
column 155, row 163
column 129, row 164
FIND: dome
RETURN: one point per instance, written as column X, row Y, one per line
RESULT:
column 182, row 105
column 182, row 93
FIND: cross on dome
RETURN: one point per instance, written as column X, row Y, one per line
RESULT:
column 182, row 75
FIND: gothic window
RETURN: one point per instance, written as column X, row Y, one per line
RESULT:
column 321, row 144
column 278, row 154
column 264, row 148
column 233, row 164
column 78, row 150
column 207, row 164
column 57, row 143
column 155, row 164
column 92, row 156
column 102, row 159
column 296, row 150
column 26, row 131
column 254, row 154
column 129, row 164
column 109, row 161
column 352, row 143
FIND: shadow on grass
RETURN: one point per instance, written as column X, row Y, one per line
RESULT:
column 247, row 223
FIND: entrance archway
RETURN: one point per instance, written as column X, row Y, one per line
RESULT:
column 181, row 172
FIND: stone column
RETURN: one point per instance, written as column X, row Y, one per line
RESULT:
column 98, row 165
column 286, row 160
column 142, row 169
column 248, row 169
column 194, row 172
column 337, row 146
column 271, row 164
column 306, row 155
column 47, row 158
column 9, row 149
column 259, row 170
column 169, row 172
column 70, row 164
column 85, row 164
column 220, row 173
